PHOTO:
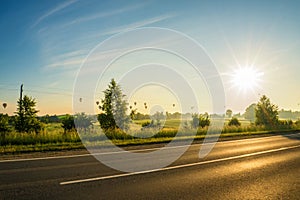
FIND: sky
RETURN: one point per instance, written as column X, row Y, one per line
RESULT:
column 254, row 46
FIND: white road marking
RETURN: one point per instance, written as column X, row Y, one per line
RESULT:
column 177, row 166
column 137, row 150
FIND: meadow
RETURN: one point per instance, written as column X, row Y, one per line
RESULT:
column 53, row 136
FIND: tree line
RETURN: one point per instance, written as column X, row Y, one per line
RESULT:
column 114, row 115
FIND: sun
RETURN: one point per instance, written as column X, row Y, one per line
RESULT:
column 246, row 78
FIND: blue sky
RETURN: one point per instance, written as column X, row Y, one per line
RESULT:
column 43, row 44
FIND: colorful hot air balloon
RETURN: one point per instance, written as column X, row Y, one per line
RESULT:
column 4, row 105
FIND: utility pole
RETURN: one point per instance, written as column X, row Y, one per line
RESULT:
column 21, row 99
column 21, row 92
column 20, row 112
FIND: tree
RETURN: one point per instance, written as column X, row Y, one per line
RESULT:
column 133, row 114
column 26, row 119
column 204, row 120
column 82, row 121
column 234, row 122
column 68, row 123
column 229, row 113
column 4, row 127
column 195, row 120
column 250, row 113
column 114, row 108
column 157, row 117
column 266, row 113
column 44, row 119
column 200, row 120
column 297, row 123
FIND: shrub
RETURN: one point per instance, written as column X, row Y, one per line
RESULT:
column 146, row 124
column 234, row 122
column 68, row 123
column 285, row 124
column 201, row 120
column 4, row 127
column 204, row 120
column 83, row 121
column 297, row 123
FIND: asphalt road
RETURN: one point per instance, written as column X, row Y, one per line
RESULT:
column 257, row 168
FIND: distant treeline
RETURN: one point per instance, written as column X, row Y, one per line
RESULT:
column 288, row 114
column 51, row 118
column 283, row 114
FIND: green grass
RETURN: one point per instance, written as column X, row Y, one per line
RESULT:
column 53, row 137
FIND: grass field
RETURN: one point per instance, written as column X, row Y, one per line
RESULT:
column 53, row 136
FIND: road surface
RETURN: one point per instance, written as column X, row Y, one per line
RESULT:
column 257, row 168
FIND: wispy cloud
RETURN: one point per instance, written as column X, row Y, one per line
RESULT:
column 53, row 11
column 72, row 54
column 88, row 41
column 106, row 14
column 68, row 63
column 68, row 60
column 134, row 25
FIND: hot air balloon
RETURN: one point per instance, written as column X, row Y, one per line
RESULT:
column 135, row 103
column 97, row 102
column 4, row 105
column 145, row 107
column 80, row 99
column 173, row 104
column 145, row 103
column 130, row 107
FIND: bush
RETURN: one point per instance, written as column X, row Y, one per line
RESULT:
column 117, row 134
column 201, row 120
column 285, row 124
column 83, row 121
column 297, row 123
column 68, row 123
column 4, row 127
column 234, row 122
column 204, row 120
column 151, row 124
column 146, row 124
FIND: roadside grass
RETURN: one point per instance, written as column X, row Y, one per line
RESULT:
column 53, row 136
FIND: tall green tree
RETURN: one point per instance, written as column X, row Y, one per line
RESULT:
column 26, row 119
column 266, row 113
column 114, row 107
